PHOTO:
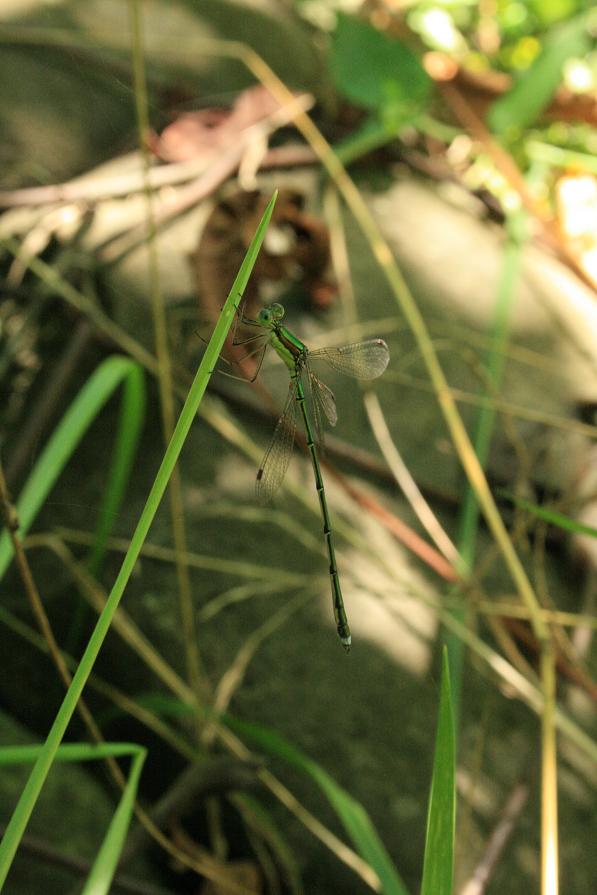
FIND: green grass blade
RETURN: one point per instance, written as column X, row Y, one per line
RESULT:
column 63, row 443
column 22, row 812
column 68, row 752
column 132, row 415
column 551, row 516
column 439, row 841
column 354, row 817
column 468, row 523
column 130, row 424
column 104, row 867
column 105, row 864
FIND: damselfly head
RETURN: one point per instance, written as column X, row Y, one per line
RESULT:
column 268, row 317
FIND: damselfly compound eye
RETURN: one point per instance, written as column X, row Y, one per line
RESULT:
column 277, row 311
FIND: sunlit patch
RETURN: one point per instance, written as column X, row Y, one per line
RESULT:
column 69, row 214
column 577, row 218
column 460, row 149
column 437, row 27
column 578, row 76
column 384, row 592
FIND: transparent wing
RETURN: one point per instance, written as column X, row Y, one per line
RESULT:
column 277, row 457
column 316, row 411
column 322, row 405
column 361, row 360
column 323, row 399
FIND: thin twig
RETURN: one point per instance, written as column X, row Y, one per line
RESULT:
column 309, row 821
column 549, row 774
column 405, row 481
column 223, row 167
column 44, row 626
column 198, row 780
column 234, row 675
column 498, row 840
column 411, row 540
column 93, row 189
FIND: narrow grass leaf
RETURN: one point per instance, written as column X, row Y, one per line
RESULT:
column 68, row 752
column 104, row 867
column 130, row 424
column 106, row 862
column 110, row 374
column 132, row 415
column 439, row 841
column 551, row 516
column 354, row 817
column 18, row 822
column 468, row 522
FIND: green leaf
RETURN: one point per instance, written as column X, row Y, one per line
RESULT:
column 378, row 72
column 355, row 819
column 551, row 516
column 439, row 841
column 63, row 443
column 523, row 104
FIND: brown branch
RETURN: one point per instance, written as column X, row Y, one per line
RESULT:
column 218, row 173
column 90, row 191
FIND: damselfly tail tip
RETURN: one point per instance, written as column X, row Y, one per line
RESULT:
column 345, row 640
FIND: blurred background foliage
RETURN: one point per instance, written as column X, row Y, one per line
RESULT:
column 469, row 129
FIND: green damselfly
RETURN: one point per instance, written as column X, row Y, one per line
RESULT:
column 362, row 360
